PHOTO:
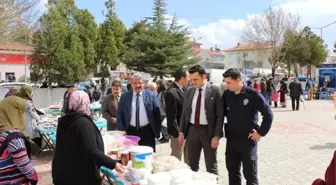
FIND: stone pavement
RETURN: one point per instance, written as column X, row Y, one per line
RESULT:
column 297, row 150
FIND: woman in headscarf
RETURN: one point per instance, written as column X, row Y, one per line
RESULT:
column 15, row 166
column 31, row 117
column 330, row 174
column 79, row 150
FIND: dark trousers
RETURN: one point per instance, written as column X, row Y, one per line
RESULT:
column 269, row 98
column 297, row 101
column 275, row 104
column 242, row 152
column 198, row 139
column 146, row 134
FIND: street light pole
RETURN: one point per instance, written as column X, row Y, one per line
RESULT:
column 321, row 29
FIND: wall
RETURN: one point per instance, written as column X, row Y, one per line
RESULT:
column 254, row 59
column 17, row 69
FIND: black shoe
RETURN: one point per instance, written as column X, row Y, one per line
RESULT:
column 164, row 140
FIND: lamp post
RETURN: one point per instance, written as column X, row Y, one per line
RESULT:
column 321, row 29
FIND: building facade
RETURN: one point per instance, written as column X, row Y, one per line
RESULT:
column 212, row 58
column 15, row 60
column 248, row 56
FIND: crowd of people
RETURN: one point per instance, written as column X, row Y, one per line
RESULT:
column 193, row 109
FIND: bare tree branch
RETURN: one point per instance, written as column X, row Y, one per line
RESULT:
column 269, row 28
column 16, row 17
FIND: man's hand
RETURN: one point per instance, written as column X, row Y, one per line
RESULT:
column 254, row 135
column 119, row 168
column 214, row 142
column 114, row 120
column 62, row 113
column 181, row 139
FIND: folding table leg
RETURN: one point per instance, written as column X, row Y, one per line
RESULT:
column 49, row 145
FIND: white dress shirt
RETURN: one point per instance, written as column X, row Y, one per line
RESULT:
column 179, row 86
column 203, row 120
column 143, row 119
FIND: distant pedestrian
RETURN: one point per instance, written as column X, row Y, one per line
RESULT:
column 310, row 88
column 96, row 94
column 256, row 85
column 275, row 97
column 283, row 91
column 295, row 89
column 269, row 90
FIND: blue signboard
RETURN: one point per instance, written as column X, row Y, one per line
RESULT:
column 327, row 76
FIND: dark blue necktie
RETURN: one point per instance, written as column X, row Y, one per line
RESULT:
column 137, row 112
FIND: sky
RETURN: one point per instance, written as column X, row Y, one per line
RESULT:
column 220, row 22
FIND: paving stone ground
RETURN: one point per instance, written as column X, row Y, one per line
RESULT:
column 297, row 150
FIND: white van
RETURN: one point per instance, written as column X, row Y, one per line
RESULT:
column 12, row 84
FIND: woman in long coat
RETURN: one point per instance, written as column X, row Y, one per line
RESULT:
column 283, row 91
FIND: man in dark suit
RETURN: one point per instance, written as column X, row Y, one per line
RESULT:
column 202, row 120
column 173, row 108
column 110, row 106
column 295, row 91
column 139, row 113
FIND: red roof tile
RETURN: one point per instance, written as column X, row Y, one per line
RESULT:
column 250, row 47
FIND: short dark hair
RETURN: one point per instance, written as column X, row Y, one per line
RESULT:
column 232, row 73
column 197, row 69
column 116, row 83
column 180, row 73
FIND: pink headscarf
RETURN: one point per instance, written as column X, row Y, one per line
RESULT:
column 79, row 101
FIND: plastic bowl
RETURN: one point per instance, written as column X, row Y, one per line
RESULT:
column 134, row 139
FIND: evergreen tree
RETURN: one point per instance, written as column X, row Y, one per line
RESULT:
column 110, row 42
column 157, row 48
column 58, row 47
column 88, row 35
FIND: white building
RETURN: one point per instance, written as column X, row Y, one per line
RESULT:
column 212, row 58
column 248, row 56
column 15, row 60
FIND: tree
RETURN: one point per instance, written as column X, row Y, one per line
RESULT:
column 156, row 47
column 294, row 50
column 270, row 28
column 110, row 42
column 317, row 49
column 16, row 17
column 58, row 48
column 87, row 34
column 303, row 48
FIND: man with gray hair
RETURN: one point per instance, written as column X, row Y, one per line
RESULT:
column 151, row 86
column 139, row 113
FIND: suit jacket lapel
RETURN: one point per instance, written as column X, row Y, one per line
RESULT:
column 207, row 97
column 146, row 99
column 129, row 100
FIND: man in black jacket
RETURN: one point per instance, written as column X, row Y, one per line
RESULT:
column 173, row 107
column 295, row 89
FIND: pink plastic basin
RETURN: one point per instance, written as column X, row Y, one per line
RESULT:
column 133, row 139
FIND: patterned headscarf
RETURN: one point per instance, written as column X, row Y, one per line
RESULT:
column 79, row 101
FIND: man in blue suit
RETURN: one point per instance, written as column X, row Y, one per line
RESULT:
column 139, row 113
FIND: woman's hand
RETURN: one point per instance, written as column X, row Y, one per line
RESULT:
column 119, row 168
